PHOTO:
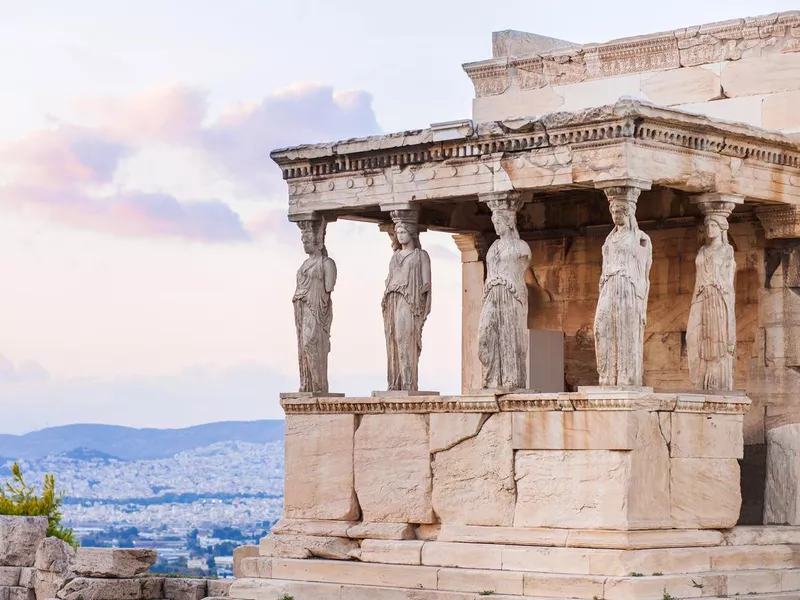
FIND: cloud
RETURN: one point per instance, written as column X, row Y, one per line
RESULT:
column 27, row 371
column 66, row 173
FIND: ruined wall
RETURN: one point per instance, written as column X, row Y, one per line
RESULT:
column 744, row 70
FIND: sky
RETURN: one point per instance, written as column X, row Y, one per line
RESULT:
column 146, row 263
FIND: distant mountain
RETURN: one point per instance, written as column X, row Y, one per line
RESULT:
column 127, row 443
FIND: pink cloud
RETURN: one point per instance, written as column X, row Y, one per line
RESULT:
column 63, row 173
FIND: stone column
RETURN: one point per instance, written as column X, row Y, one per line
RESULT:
column 775, row 377
column 473, row 247
column 711, row 330
column 621, row 313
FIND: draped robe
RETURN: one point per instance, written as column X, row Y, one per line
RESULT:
column 313, row 314
column 622, row 307
column 711, row 332
column 503, row 327
column 406, row 304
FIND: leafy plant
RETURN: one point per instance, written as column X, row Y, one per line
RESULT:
column 287, row 597
column 486, row 593
column 17, row 498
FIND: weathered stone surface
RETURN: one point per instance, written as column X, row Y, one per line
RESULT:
column 779, row 111
column 392, row 469
column 707, row 436
column 16, row 593
column 112, row 562
column 381, row 531
column 9, row 576
column 104, row 589
column 319, row 468
column 55, row 555
column 369, row 574
column 301, row 546
column 27, row 577
column 502, row 535
column 476, row 581
column 681, row 86
column 256, row 566
column 556, row 585
column 19, row 539
column 571, row 488
column 762, row 536
column 449, row 429
column 48, row 583
column 185, row 589
column 763, row 75
column 312, row 527
column 152, row 588
column 782, row 493
column 239, row 554
column 464, row 556
column 648, row 502
column 219, row 587
column 705, row 492
column 473, row 482
column 390, row 552
column 575, row 430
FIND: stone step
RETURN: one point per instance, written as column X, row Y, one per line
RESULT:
column 530, row 584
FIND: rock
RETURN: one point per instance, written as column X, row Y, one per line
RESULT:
column 16, row 593
column 26, row 577
column 112, row 562
column 392, row 469
column 302, row 546
column 9, row 576
column 54, row 555
column 256, row 566
column 100, row 589
column 783, row 476
column 381, row 531
column 239, row 554
column 449, row 429
column 473, row 482
column 184, row 589
column 706, row 492
column 219, row 587
column 47, row 583
column 152, row 588
column 19, row 539
column 312, row 527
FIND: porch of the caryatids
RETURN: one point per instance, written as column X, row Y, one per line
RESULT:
column 503, row 324
column 621, row 313
column 775, row 378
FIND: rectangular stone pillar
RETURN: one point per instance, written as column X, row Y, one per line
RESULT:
column 775, row 379
column 473, row 247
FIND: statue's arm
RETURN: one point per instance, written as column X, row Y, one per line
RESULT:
column 426, row 281
column 329, row 273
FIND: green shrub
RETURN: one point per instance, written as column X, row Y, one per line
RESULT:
column 17, row 498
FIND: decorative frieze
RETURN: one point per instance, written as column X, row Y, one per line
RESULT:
column 780, row 221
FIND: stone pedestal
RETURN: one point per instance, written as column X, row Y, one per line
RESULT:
column 596, row 494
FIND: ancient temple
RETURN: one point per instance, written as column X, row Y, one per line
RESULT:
column 628, row 217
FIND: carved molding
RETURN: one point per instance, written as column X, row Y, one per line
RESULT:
column 780, row 221
column 569, row 401
column 623, row 190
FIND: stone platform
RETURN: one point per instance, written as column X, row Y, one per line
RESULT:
column 600, row 494
column 527, row 564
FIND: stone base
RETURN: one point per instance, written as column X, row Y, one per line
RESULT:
column 756, row 562
column 605, row 389
column 300, row 395
column 401, row 393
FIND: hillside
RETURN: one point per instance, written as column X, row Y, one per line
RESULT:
column 127, row 443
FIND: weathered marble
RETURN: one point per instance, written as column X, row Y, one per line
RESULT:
column 406, row 302
column 624, row 289
column 313, row 308
column 112, row 562
column 503, row 330
column 711, row 331
column 19, row 539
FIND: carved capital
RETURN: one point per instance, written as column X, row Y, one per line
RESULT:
column 473, row 246
column 410, row 215
column 623, row 190
column 312, row 232
column 510, row 200
column 780, row 221
column 717, row 205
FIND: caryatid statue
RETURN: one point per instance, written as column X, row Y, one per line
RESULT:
column 503, row 325
column 313, row 309
column 406, row 302
column 621, row 314
column 711, row 332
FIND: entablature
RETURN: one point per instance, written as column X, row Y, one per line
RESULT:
column 560, row 151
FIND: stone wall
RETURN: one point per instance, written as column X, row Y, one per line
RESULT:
column 35, row 567
column 745, row 70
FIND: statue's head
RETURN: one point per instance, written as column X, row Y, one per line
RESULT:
column 716, row 226
column 312, row 233
column 407, row 232
column 504, row 221
column 622, row 212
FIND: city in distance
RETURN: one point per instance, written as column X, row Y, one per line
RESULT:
column 194, row 493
